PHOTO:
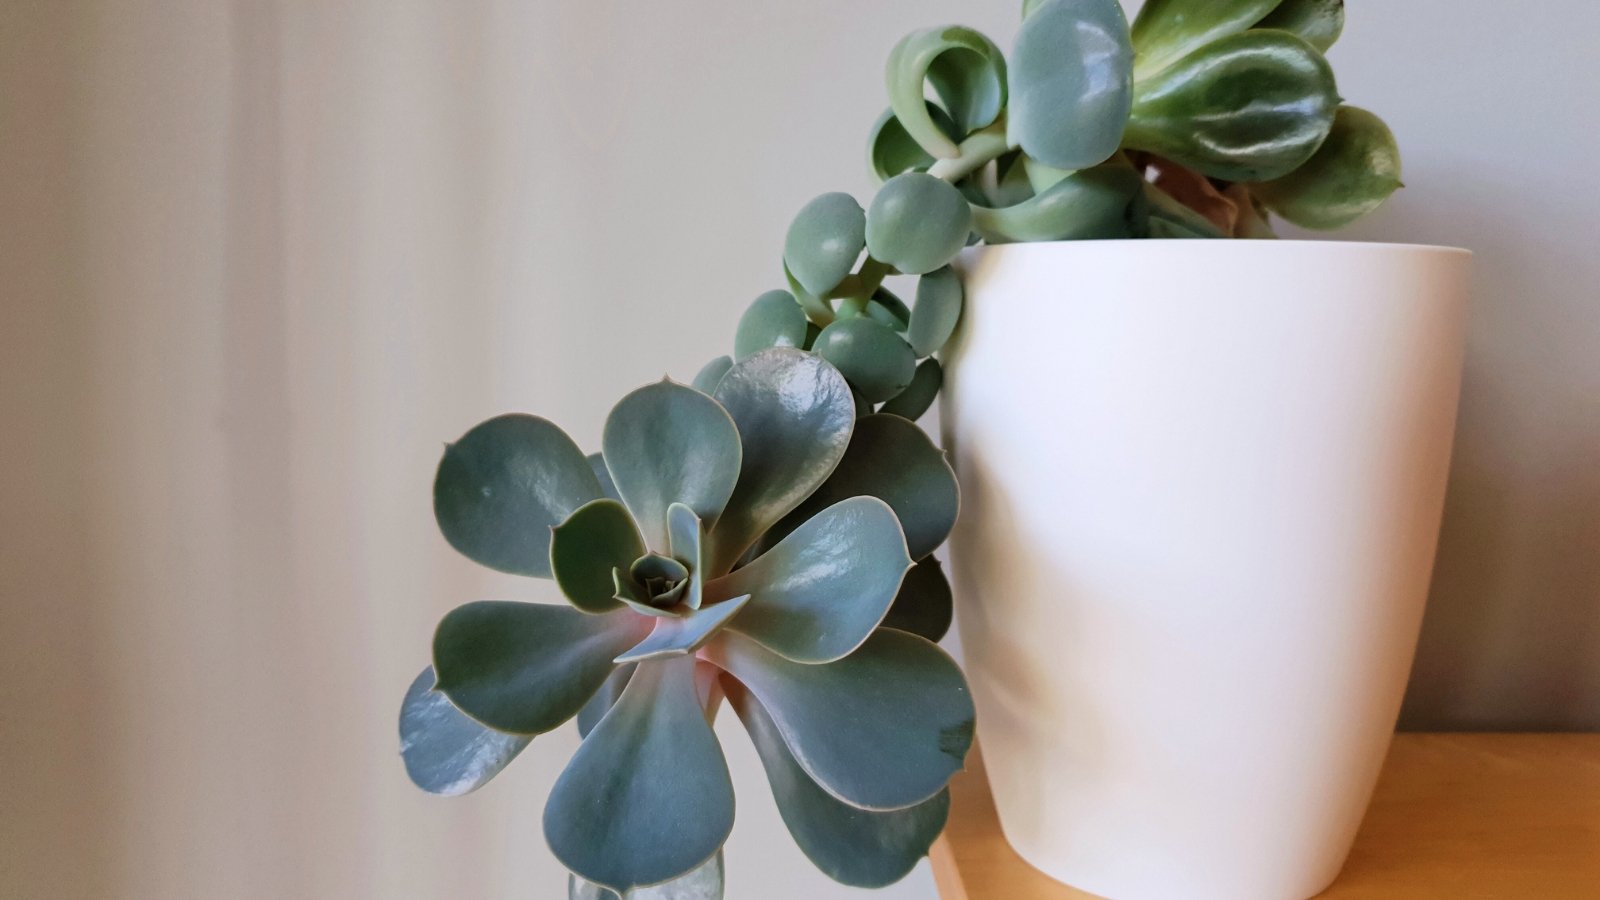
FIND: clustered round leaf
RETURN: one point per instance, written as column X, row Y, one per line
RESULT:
column 764, row 536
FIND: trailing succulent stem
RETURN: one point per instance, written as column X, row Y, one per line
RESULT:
column 766, row 534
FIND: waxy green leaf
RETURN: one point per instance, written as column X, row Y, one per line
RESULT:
column 503, row 486
column 852, row 846
column 704, row 883
column 598, row 537
column 685, row 538
column 917, row 223
column 891, row 150
column 795, row 413
column 938, row 310
column 884, row 728
column 1251, row 107
column 524, row 668
column 1165, row 31
column 603, row 699
column 705, row 381
column 924, row 605
column 667, row 443
column 968, row 73
column 444, row 751
column 1351, row 174
column 647, row 797
column 1318, row 22
column 822, row 246
column 891, row 459
column 876, row 361
column 912, row 402
column 822, row 590
column 679, row 636
column 597, row 464
column 1071, row 82
column 889, row 309
column 1091, row 204
column 775, row 319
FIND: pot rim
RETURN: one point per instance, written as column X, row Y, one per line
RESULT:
column 1256, row 243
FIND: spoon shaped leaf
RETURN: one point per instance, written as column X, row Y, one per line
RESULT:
column 1251, row 107
column 876, row 361
column 1165, row 31
column 1351, row 174
column 603, row 699
column 852, row 846
column 647, row 797
column 890, row 458
column 1071, row 82
column 891, row 149
column 444, row 751
column 795, row 413
column 705, row 381
column 677, row 637
column 774, row 319
column 822, row 590
column 599, row 536
column 912, row 402
column 917, row 223
column 968, row 73
column 684, row 536
column 704, row 883
column 524, row 668
column 666, row 443
column 924, row 605
column 937, row 310
column 1318, row 22
column 1089, row 204
column 503, row 486
column 884, row 728
column 822, row 246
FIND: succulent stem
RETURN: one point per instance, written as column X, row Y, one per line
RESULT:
column 978, row 150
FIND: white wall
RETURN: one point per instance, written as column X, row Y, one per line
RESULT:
column 257, row 261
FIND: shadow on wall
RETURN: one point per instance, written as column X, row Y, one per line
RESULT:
column 1512, row 635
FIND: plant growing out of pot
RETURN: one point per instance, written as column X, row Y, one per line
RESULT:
column 764, row 537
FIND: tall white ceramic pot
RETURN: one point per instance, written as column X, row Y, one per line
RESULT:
column 1202, row 484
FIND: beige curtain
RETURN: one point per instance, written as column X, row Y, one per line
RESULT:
column 258, row 260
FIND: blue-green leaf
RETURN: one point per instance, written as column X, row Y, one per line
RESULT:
column 1071, row 82
column 822, row 246
column 912, row 402
column 444, row 751
column 1318, row 22
column 938, row 310
column 917, row 223
column 876, row 361
column 852, row 846
column 820, row 591
column 685, row 538
column 892, row 459
column 704, row 883
column 603, row 699
column 647, row 797
column 884, row 728
column 679, row 636
column 1251, row 107
column 705, row 381
column 597, row 464
column 968, row 73
column 794, row 412
column 891, row 149
column 1090, row 204
column 503, row 486
column 1165, row 31
column 524, row 668
column 666, row 443
column 924, row 605
column 598, row 537
column 1349, row 176
column 774, row 319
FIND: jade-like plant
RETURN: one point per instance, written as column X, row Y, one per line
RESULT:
column 764, row 537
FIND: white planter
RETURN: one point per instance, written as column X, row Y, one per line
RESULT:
column 1202, row 484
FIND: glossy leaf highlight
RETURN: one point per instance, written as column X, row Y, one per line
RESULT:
column 446, row 752
column 1351, row 174
column 1071, row 82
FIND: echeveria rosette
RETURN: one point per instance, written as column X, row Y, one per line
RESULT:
column 670, row 580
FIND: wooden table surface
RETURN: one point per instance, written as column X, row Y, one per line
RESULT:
column 1454, row 817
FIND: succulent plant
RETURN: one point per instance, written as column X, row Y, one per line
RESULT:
column 748, row 544
column 764, row 536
